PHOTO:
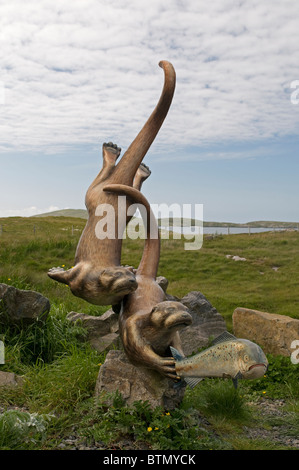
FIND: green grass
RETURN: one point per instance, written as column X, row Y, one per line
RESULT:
column 25, row 258
column 59, row 370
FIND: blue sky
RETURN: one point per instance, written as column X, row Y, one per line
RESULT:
column 76, row 74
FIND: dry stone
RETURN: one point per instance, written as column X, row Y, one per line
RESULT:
column 102, row 331
column 105, row 343
column 9, row 379
column 22, row 307
column 274, row 333
column 136, row 383
column 206, row 323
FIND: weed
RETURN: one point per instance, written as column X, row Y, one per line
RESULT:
column 63, row 383
column 280, row 381
column 21, row 430
column 40, row 341
column 219, row 398
column 176, row 429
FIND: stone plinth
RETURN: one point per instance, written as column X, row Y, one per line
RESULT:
column 136, row 383
column 274, row 333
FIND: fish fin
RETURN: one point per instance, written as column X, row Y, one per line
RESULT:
column 235, row 382
column 192, row 381
column 225, row 336
column 179, row 384
column 235, row 379
column 177, row 356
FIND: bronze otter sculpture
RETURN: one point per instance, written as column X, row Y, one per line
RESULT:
column 149, row 323
column 97, row 276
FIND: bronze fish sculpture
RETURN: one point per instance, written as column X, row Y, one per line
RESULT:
column 227, row 357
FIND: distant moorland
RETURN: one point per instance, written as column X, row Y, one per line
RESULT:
column 82, row 214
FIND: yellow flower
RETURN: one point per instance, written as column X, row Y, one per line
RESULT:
column 264, row 392
column 156, row 429
column 167, row 414
column 149, row 429
column 9, row 279
column 63, row 265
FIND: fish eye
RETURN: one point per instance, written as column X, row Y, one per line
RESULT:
column 246, row 358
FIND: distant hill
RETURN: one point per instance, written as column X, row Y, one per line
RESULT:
column 193, row 222
column 78, row 213
column 82, row 214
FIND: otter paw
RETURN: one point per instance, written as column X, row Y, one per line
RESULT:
column 56, row 270
column 130, row 268
column 143, row 171
column 112, row 148
column 167, row 368
column 58, row 274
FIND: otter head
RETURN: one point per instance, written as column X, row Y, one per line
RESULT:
column 118, row 282
column 106, row 287
column 170, row 315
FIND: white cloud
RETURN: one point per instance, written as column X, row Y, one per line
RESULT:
column 76, row 72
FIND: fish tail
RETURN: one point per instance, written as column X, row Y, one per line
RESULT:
column 191, row 381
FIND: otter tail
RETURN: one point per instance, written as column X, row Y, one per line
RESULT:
column 129, row 163
column 151, row 253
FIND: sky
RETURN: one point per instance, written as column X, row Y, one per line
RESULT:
column 75, row 74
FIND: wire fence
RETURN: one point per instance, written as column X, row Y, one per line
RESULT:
column 36, row 229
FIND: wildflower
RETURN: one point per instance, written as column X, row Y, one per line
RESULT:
column 167, row 414
column 149, row 429
column 156, row 429
column 63, row 265
column 264, row 392
column 9, row 279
